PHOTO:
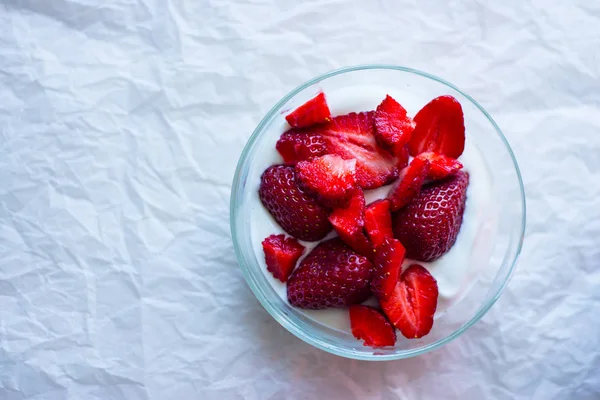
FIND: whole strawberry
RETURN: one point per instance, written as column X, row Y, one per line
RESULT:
column 298, row 213
column 332, row 275
column 429, row 224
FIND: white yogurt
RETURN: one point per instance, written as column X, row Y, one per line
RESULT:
column 454, row 272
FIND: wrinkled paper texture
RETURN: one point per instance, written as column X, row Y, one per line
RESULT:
column 121, row 123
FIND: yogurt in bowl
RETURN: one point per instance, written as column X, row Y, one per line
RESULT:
column 470, row 276
column 454, row 272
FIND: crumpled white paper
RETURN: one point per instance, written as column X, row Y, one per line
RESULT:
column 121, row 123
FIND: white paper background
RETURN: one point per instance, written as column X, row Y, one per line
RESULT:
column 121, row 123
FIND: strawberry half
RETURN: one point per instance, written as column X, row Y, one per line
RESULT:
column 352, row 136
column 393, row 128
column 349, row 221
column 281, row 255
column 378, row 221
column 295, row 211
column 388, row 264
column 441, row 166
column 330, row 177
column 314, row 111
column 297, row 145
column 332, row 275
column 409, row 183
column 413, row 302
column 429, row 225
column 440, row 127
column 370, row 325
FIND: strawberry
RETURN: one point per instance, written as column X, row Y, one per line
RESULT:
column 440, row 127
column 297, row 145
column 441, row 165
column 352, row 136
column 349, row 221
column 393, row 127
column 378, row 221
column 389, row 257
column 332, row 275
column 281, row 254
column 330, row 177
column 402, row 158
column 429, row 225
column 413, row 302
column 359, row 243
column 295, row 211
column 370, row 325
column 314, row 111
column 409, row 183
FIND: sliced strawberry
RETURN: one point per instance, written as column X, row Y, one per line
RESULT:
column 371, row 326
column 409, row 183
column 378, row 221
column 358, row 242
column 352, row 136
column 441, row 165
column 349, row 221
column 402, row 158
column 281, row 255
column 413, row 302
column 440, row 128
column 388, row 260
column 330, row 177
column 314, row 111
column 299, row 144
column 393, row 127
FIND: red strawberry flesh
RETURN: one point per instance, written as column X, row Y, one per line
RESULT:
column 370, row 325
column 402, row 158
column 330, row 177
column 349, row 221
column 412, row 304
column 331, row 275
column 388, row 260
column 441, row 165
column 429, row 225
column 409, row 183
column 440, row 127
column 358, row 242
column 281, row 255
column 297, row 145
column 314, row 111
column 352, row 136
column 378, row 222
column 393, row 128
column 298, row 213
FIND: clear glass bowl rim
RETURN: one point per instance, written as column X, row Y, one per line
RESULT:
column 277, row 314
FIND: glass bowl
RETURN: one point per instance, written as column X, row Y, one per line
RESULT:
column 495, row 248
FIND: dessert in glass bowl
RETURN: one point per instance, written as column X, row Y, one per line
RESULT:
column 368, row 211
